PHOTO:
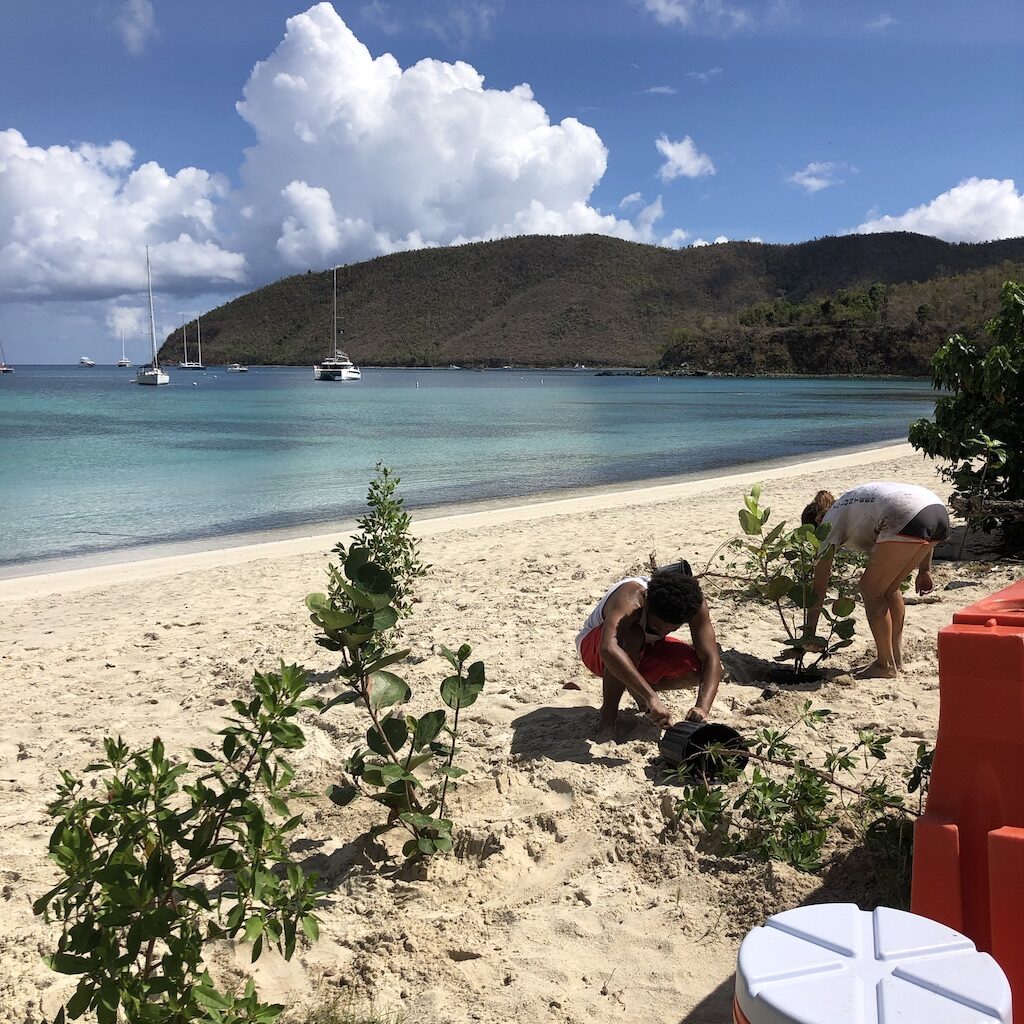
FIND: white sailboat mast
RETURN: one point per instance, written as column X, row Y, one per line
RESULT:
column 184, row 337
column 334, row 321
column 152, row 316
column 122, row 344
column 199, row 337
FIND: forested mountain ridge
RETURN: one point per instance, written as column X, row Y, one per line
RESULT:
column 561, row 300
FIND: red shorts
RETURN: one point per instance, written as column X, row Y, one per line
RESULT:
column 665, row 659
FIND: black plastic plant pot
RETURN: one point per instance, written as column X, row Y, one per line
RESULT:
column 687, row 745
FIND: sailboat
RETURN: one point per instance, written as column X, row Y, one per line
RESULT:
column 4, row 366
column 186, row 365
column 151, row 373
column 337, row 366
column 123, row 362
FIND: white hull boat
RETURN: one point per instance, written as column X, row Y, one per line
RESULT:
column 337, row 366
column 153, row 373
column 237, row 368
column 86, row 361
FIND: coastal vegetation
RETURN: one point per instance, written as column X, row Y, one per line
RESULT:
column 776, row 568
column 161, row 856
column 853, row 304
column 783, row 805
column 977, row 433
column 408, row 764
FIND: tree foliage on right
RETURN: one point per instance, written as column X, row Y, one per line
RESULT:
column 978, row 428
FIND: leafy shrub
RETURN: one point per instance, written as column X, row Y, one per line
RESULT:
column 783, row 807
column 400, row 750
column 978, row 429
column 384, row 532
column 160, row 857
column 777, row 568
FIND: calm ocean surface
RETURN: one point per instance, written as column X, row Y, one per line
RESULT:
column 91, row 463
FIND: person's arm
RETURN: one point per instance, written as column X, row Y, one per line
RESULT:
column 621, row 613
column 924, row 583
column 705, row 643
column 819, row 583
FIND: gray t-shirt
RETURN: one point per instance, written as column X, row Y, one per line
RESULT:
column 874, row 512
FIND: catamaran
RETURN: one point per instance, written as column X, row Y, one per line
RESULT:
column 337, row 366
column 186, row 365
column 151, row 373
column 124, row 361
column 5, row 367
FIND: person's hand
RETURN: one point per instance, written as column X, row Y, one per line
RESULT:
column 924, row 584
column 696, row 714
column 659, row 714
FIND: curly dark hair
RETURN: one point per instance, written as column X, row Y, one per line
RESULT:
column 674, row 595
column 820, row 504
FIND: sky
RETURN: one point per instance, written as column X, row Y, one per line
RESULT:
column 243, row 141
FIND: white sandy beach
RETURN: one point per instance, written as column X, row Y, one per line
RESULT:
column 567, row 901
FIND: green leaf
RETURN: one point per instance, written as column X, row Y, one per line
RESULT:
column 390, row 659
column 802, row 595
column 358, row 597
column 750, row 523
column 311, row 927
column 342, row 795
column 65, row 963
column 457, row 692
column 395, row 731
column 253, row 929
column 345, row 697
column 384, row 619
column 427, row 728
column 452, row 772
column 385, row 689
column 203, row 755
column 779, row 587
column 844, row 606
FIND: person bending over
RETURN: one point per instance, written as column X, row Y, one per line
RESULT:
column 900, row 525
column 626, row 642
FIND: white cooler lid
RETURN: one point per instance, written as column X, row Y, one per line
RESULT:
column 835, row 964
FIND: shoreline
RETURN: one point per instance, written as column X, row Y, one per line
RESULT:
column 21, row 580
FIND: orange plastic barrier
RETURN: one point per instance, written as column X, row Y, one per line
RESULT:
column 969, row 844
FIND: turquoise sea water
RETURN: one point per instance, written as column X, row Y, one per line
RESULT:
column 90, row 462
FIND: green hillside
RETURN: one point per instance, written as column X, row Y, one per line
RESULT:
column 556, row 301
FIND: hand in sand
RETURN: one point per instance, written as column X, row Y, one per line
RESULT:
column 659, row 714
column 924, row 584
column 696, row 714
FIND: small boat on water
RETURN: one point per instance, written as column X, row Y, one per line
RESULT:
column 124, row 361
column 337, row 366
column 5, row 367
column 86, row 361
column 152, row 373
column 237, row 368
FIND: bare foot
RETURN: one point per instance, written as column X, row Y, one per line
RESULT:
column 606, row 727
column 877, row 671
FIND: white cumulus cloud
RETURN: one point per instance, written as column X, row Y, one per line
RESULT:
column 136, row 24
column 818, row 175
column 358, row 156
column 682, row 159
column 976, row 210
column 75, row 221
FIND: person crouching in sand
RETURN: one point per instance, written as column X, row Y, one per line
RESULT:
column 900, row 525
column 626, row 642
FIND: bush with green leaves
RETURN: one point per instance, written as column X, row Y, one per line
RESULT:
column 160, row 857
column 385, row 533
column 407, row 764
column 776, row 567
column 978, row 428
column 784, row 807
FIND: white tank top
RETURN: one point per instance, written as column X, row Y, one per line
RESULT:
column 596, row 617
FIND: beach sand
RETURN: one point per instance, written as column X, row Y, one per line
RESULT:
column 568, row 899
